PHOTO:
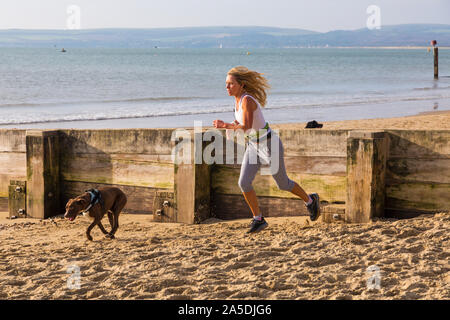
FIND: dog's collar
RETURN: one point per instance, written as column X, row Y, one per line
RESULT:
column 95, row 197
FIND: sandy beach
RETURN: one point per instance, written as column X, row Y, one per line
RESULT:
column 292, row 259
column 434, row 120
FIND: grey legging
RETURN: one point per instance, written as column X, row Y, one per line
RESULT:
column 251, row 162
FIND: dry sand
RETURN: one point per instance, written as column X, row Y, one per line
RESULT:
column 434, row 120
column 291, row 259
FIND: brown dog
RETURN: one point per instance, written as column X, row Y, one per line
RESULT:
column 104, row 200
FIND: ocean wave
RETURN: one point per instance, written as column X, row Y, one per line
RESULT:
column 130, row 100
column 97, row 117
column 358, row 101
column 276, row 105
column 19, row 105
column 431, row 88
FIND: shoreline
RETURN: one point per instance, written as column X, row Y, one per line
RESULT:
column 425, row 120
column 392, row 48
column 250, row 48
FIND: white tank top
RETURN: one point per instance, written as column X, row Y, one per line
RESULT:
column 258, row 118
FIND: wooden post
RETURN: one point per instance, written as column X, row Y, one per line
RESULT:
column 163, row 207
column 436, row 62
column 192, row 185
column 366, row 166
column 43, row 187
column 17, row 198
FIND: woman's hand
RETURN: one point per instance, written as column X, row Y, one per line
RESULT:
column 219, row 124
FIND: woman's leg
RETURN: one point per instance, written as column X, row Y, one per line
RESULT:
column 252, row 201
column 280, row 176
column 284, row 183
column 298, row 191
column 248, row 173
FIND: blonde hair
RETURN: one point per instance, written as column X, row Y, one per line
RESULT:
column 254, row 83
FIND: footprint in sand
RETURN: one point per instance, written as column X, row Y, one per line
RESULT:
column 408, row 232
column 415, row 248
column 15, row 283
column 100, row 277
column 261, row 267
column 414, row 284
column 323, row 261
column 271, row 253
column 212, row 260
column 94, row 294
column 389, row 232
column 236, row 265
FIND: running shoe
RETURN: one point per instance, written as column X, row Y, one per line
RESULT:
column 314, row 207
column 257, row 225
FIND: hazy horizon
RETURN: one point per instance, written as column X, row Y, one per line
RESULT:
column 213, row 26
column 320, row 16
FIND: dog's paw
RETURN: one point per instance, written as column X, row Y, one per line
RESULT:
column 89, row 237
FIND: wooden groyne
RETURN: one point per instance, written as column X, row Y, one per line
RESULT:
column 358, row 174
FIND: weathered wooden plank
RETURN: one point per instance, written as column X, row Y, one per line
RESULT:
column 145, row 158
column 162, row 212
column 13, row 163
column 131, row 158
column 313, row 142
column 12, row 140
column 228, row 206
column 420, row 170
column 310, row 142
column 330, row 188
column 4, row 204
column 128, row 141
column 103, row 168
column 13, row 166
column 139, row 199
column 418, row 196
column 4, row 182
column 17, row 198
column 333, row 213
column 43, row 183
column 419, row 143
column 184, row 190
column 333, row 166
column 192, row 186
column 366, row 169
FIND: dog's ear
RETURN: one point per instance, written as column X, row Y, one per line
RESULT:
column 81, row 201
column 70, row 203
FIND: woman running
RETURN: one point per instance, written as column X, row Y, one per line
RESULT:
column 249, row 89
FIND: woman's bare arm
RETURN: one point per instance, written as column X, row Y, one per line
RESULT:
column 248, row 107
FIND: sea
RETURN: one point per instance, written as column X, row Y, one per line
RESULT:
column 169, row 88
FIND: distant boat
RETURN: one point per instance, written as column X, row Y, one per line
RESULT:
column 63, row 50
column 221, row 46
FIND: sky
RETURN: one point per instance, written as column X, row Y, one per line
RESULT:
column 316, row 15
